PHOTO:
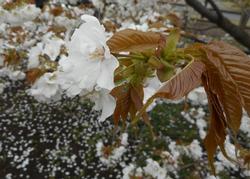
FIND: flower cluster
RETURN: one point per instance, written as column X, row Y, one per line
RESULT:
column 87, row 70
column 19, row 15
column 66, row 61
column 111, row 155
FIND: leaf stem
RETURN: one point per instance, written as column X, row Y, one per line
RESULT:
column 133, row 56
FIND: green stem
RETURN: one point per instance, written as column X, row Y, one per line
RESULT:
column 126, row 69
column 133, row 56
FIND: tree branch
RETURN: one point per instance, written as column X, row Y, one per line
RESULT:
column 217, row 10
column 239, row 34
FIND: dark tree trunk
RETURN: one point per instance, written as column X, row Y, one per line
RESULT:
column 216, row 17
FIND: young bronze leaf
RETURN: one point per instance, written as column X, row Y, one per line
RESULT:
column 179, row 85
column 223, row 85
column 129, row 40
column 216, row 133
column 174, row 19
column 182, row 83
column 237, row 65
column 33, row 74
column 137, row 95
column 215, row 137
column 122, row 96
column 221, row 82
column 129, row 100
column 224, row 74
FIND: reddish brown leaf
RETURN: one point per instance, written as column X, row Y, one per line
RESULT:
column 123, row 102
column 226, row 77
column 157, row 25
column 221, row 83
column 137, row 95
column 237, row 65
column 33, row 74
column 174, row 19
column 110, row 26
column 14, row 4
column 56, row 11
column 129, row 40
column 216, row 134
column 182, row 83
column 244, row 154
column 227, row 83
column 129, row 100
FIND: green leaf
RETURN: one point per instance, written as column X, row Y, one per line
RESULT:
column 171, row 43
column 165, row 73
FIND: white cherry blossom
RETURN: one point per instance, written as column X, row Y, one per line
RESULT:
column 92, row 64
column 90, row 67
column 45, row 88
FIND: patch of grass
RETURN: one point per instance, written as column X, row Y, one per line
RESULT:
column 168, row 121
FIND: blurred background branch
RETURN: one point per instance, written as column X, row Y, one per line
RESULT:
column 221, row 21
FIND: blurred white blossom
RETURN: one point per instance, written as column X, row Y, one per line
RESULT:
column 19, row 15
column 45, row 88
